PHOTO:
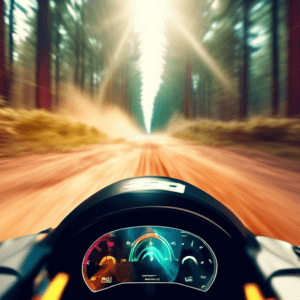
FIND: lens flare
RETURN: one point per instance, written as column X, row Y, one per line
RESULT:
column 149, row 24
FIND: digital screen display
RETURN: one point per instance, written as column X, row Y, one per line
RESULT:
column 149, row 254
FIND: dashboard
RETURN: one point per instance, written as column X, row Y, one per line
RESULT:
column 150, row 237
column 149, row 254
column 150, row 251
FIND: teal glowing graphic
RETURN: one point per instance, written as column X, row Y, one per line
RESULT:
column 149, row 254
column 150, row 249
column 154, row 252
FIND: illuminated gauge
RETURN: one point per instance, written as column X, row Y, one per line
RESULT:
column 155, row 257
column 100, row 263
column 198, row 263
column 149, row 254
column 107, row 260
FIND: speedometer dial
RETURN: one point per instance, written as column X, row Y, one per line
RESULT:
column 155, row 256
column 149, row 254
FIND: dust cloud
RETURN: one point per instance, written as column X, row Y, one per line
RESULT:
column 111, row 120
column 178, row 123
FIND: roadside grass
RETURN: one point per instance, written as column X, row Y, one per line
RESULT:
column 38, row 131
column 280, row 137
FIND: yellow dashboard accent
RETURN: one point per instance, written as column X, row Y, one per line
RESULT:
column 56, row 287
column 253, row 292
column 105, row 259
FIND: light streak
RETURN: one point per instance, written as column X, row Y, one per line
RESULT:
column 206, row 58
column 149, row 24
column 109, row 70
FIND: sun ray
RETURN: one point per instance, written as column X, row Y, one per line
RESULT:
column 108, row 72
column 112, row 21
column 204, row 55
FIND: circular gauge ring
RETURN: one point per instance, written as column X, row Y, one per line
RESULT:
column 135, row 258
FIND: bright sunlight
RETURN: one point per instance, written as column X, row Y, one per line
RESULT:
column 149, row 23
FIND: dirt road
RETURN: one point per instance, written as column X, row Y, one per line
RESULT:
column 38, row 191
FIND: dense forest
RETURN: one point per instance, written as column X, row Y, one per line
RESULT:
column 255, row 42
column 240, row 58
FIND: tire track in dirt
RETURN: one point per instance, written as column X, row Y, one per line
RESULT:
column 38, row 191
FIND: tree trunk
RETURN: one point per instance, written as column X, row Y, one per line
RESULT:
column 82, row 75
column 11, row 49
column 92, row 73
column 197, row 98
column 203, row 98
column 244, row 72
column 11, row 30
column 193, row 101
column 3, row 78
column 82, row 46
column 57, row 69
column 209, row 97
column 124, row 89
column 77, row 55
column 43, row 74
column 188, row 90
column 293, row 105
column 275, row 63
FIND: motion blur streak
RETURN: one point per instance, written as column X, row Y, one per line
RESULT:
column 203, row 54
column 264, row 192
column 114, row 62
column 149, row 23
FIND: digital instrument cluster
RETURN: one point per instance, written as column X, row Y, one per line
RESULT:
column 149, row 254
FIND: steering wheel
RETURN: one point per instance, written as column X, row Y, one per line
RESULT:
column 141, row 217
column 144, row 237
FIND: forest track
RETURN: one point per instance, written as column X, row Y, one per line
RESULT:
column 38, row 191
